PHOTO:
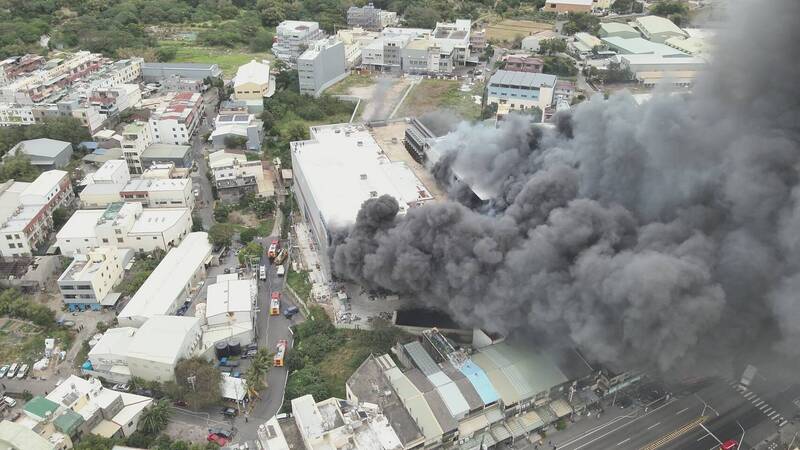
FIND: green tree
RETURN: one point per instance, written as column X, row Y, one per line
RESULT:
column 19, row 168
column 577, row 22
column 420, row 16
column 297, row 131
column 199, row 380
column 236, row 142
column 164, row 54
column 197, row 223
column 626, row 6
column 666, row 8
column 220, row 234
column 221, row 212
column 253, row 249
column 559, row 65
column 95, row 442
column 60, row 217
column 262, row 41
column 272, row 12
column 552, row 46
column 256, row 374
column 155, row 418
column 247, row 235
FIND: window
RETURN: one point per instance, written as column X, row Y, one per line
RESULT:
column 19, row 245
column 16, row 236
column 138, row 238
column 117, row 231
column 154, row 238
column 8, row 236
column 83, row 286
column 119, row 240
column 85, row 240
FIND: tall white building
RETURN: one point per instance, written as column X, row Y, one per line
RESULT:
column 136, row 137
column 292, row 37
column 322, row 65
column 124, row 225
column 88, row 280
column 341, row 167
column 175, row 117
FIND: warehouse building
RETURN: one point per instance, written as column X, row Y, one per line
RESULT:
column 160, row 343
column 639, row 46
column 616, row 29
column 44, row 153
column 171, row 283
column 152, row 72
column 339, row 168
column 650, row 70
column 658, row 29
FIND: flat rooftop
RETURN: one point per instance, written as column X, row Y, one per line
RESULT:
column 161, row 338
column 156, row 184
column 157, row 220
column 344, row 166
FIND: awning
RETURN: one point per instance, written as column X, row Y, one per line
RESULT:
column 494, row 415
column 561, row 408
column 233, row 388
column 531, row 421
column 469, row 427
column 515, row 427
column 110, row 299
column 500, row 432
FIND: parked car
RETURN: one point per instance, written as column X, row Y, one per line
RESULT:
column 230, row 412
column 10, row 401
column 217, row 439
column 222, row 432
column 121, row 387
column 3, row 370
column 249, row 354
column 23, row 370
column 290, row 311
column 12, row 371
column 179, row 403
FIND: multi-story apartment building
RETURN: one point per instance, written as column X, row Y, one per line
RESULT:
column 369, row 17
column 124, row 225
column 110, row 101
column 26, row 211
column 136, row 137
column 233, row 125
column 175, row 117
column 12, row 114
column 523, row 63
column 521, row 90
column 11, row 68
column 384, row 53
column 355, row 40
column 292, row 38
column 322, row 65
column 88, row 280
column 56, row 75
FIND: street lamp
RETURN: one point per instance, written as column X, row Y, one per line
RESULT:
column 706, row 406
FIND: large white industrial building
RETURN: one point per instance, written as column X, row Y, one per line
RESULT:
column 341, row 167
column 229, row 312
column 171, row 282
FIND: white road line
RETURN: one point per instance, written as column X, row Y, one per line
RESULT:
column 703, row 437
column 759, row 403
column 622, row 442
column 654, row 425
column 621, row 426
column 773, row 415
column 765, row 409
column 749, row 395
column 682, row 411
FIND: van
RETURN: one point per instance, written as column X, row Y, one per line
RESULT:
column 9, row 401
column 262, row 272
column 23, row 370
column 290, row 311
column 281, row 271
column 12, row 371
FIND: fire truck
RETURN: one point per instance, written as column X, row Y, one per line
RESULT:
column 280, row 353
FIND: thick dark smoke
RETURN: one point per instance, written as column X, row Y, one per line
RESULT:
column 666, row 234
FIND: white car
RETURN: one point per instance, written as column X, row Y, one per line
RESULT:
column 3, row 371
column 10, row 401
column 23, row 370
column 12, row 371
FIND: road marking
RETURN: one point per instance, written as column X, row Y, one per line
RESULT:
column 765, row 409
column 669, row 402
column 671, row 436
column 773, row 415
column 622, row 442
column 759, row 403
column 749, row 395
column 703, row 437
column 682, row 411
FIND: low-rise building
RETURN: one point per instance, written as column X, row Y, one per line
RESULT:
column 617, row 29
column 124, row 225
column 237, row 127
column 585, row 43
column 226, row 158
column 321, row 65
column 160, row 343
column 531, row 43
column 253, row 82
column 13, row 114
column 639, row 46
column 15, row 66
column 152, row 72
column 523, row 63
column 14, row 436
column 26, row 211
column 175, row 117
column 44, row 153
column 171, row 283
column 354, row 40
column 292, row 37
column 114, row 171
column 691, row 45
column 371, row 18
column 568, row 6
column 658, row 29
column 241, row 178
column 521, row 90
column 651, row 70
column 111, row 101
column 158, row 193
column 160, row 153
column 88, row 280
column 229, row 313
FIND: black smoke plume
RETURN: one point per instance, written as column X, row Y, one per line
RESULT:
column 664, row 234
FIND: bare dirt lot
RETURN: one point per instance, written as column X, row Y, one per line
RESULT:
column 379, row 97
column 508, row 30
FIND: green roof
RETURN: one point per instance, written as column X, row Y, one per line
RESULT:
column 40, row 406
column 68, row 422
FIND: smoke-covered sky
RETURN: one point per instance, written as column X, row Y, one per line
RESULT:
column 665, row 235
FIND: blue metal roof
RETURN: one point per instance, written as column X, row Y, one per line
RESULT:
column 479, row 381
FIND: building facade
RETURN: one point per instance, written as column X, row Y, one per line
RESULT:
column 369, row 17
column 292, row 37
column 521, row 90
column 136, row 137
column 89, row 279
column 322, row 65
column 175, row 118
column 152, row 72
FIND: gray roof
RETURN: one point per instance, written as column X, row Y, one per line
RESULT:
column 44, row 147
column 440, row 411
column 523, row 78
column 180, row 66
column 464, row 385
column 171, row 151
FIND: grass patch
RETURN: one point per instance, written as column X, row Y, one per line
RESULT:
column 430, row 95
column 352, row 80
column 228, row 59
column 299, row 283
column 29, row 347
column 82, row 356
column 508, row 30
column 265, row 226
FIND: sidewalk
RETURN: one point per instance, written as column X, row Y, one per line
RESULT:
column 320, row 286
column 584, row 424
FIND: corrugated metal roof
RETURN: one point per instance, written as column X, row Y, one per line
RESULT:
column 523, row 78
column 470, row 426
column 455, row 402
column 561, row 408
column 500, row 432
column 438, row 406
column 421, row 358
column 531, row 421
column 438, row 379
column 477, row 377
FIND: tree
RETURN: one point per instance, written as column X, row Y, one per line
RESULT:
column 155, row 418
column 247, row 235
column 60, row 217
column 19, row 168
column 257, row 373
column 262, row 41
column 220, row 234
column 577, row 22
column 197, row 223
column 96, row 442
column 297, row 131
column 559, row 65
column 626, row 6
column 419, row 16
column 199, row 381
column 164, row 54
column 221, row 212
column 667, row 8
column 552, row 46
column 253, row 249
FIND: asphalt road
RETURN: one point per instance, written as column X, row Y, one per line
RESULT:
column 678, row 423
